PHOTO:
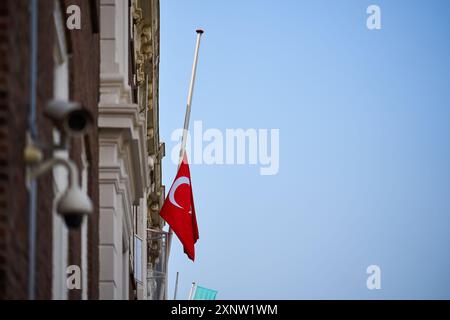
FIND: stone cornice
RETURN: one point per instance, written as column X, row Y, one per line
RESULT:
column 114, row 88
column 122, row 124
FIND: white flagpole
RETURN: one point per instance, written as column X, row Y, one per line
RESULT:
column 191, row 292
column 190, row 94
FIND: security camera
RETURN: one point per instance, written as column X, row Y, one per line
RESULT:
column 70, row 117
column 74, row 204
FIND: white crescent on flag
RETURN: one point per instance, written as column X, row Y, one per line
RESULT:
column 176, row 184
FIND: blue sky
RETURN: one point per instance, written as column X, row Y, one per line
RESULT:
column 364, row 119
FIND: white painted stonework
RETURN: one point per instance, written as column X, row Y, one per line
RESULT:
column 123, row 167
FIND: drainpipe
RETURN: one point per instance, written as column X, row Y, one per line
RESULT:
column 33, row 7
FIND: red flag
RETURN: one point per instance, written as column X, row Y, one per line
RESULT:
column 179, row 211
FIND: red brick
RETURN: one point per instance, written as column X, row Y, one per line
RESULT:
column 14, row 103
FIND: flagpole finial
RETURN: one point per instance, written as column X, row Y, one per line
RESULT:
column 200, row 31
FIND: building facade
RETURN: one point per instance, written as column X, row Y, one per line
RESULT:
column 130, row 151
column 104, row 57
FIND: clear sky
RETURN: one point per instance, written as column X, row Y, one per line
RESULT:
column 364, row 119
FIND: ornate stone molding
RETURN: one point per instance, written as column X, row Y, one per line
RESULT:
column 143, row 42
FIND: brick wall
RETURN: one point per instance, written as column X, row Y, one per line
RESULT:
column 14, row 104
column 44, row 236
column 4, row 159
column 84, row 88
column 14, row 74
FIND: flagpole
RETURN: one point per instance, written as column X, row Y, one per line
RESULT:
column 187, row 116
column 189, row 99
column 191, row 292
column 176, row 288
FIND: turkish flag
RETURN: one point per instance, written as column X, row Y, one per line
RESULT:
column 179, row 212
